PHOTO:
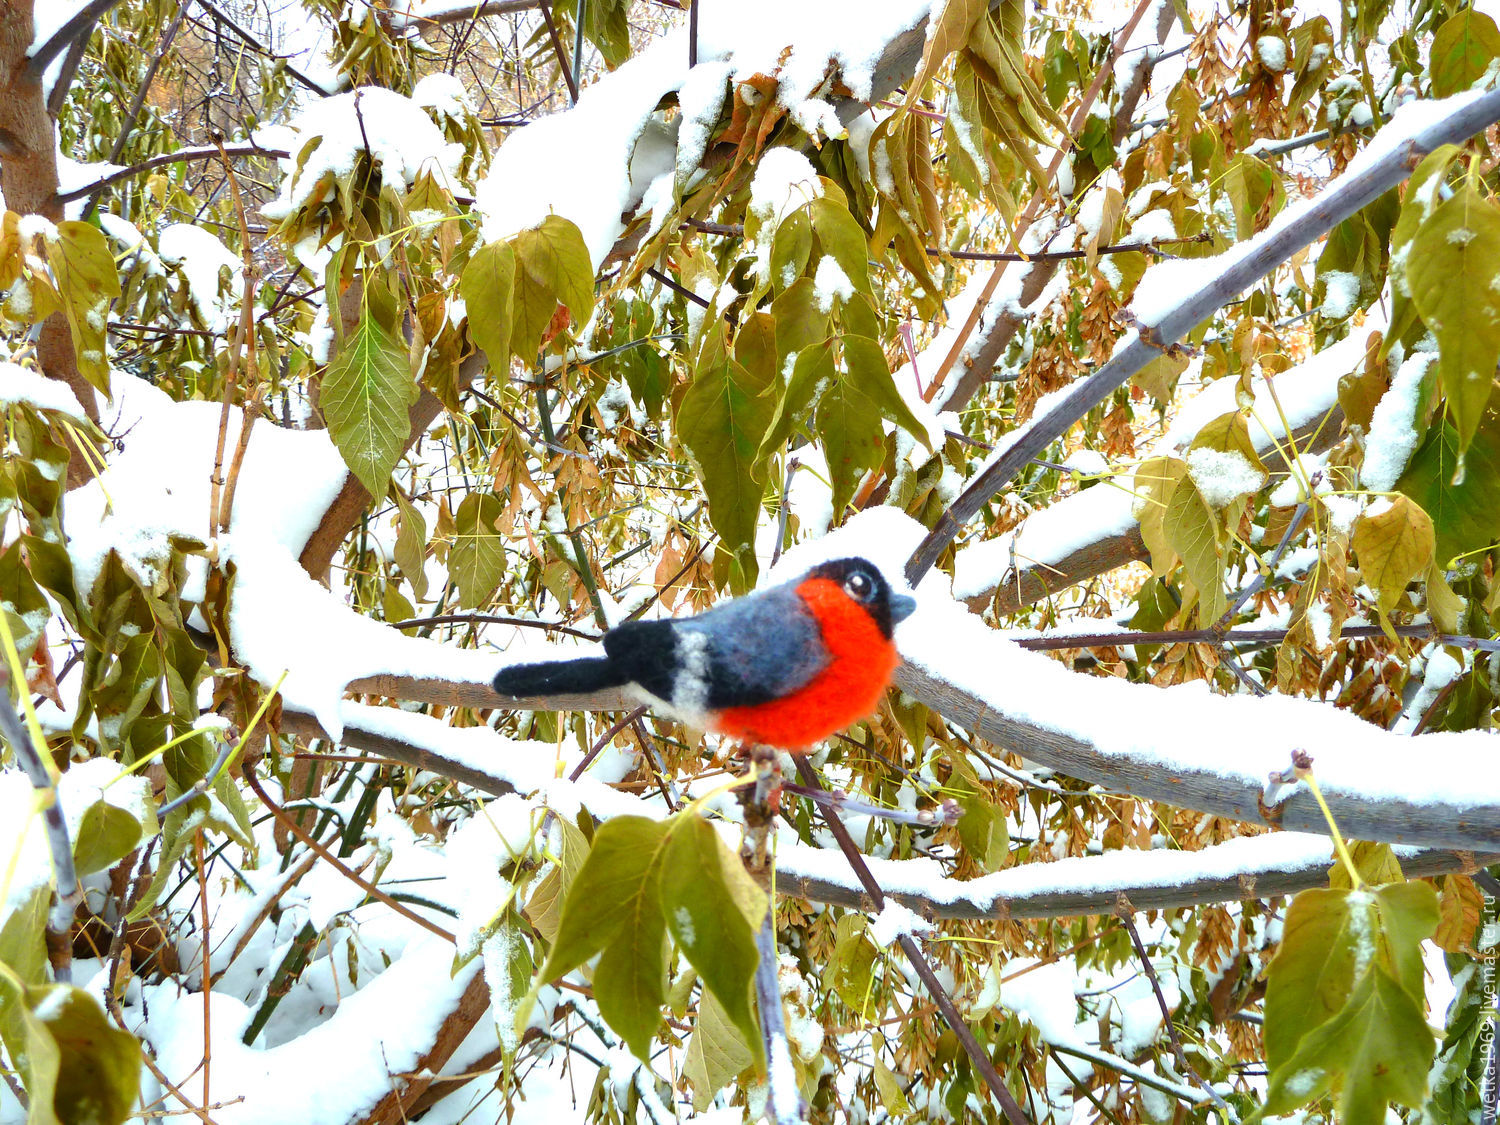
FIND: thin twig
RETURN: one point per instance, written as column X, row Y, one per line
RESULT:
column 977, row 1056
column 785, row 1105
column 1243, row 636
column 557, row 49
column 602, row 741
column 259, row 46
column 1254, row 587
column 1126, row 914
column 338, row 865
column 492, row 619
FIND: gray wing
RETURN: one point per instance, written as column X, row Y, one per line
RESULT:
column 752, row 650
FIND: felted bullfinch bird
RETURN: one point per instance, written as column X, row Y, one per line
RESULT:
column 785, row 667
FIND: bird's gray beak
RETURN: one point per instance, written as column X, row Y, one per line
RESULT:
column 902, row 607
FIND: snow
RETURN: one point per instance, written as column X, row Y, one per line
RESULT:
column 1303, row 393
column 896, row 921
column 1393, row 425
column 1165, row 286
column 202, row 258
column 329, row 1074
column 159, row 487
column 593, row 176
column 830, row 283
column 400, row 138
column 22, row 385
column 1222, row 475
column 1341, row 294
column 1272, row 52
column 784, row 180
column 1043, row 994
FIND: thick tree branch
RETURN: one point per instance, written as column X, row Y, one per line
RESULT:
column 82, row 21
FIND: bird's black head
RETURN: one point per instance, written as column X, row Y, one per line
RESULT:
column 863, row 582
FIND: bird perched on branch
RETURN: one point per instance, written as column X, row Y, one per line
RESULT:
column 784, row 667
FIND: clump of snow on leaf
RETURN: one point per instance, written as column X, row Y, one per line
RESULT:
column 400, row 138
column 784, row 180
column 1223, row 475
column 1393, row 430
column 202, row 259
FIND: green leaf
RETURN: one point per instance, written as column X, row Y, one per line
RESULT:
column 799, row 321
column 1394, row 543
column 713, row 909
column 716, row 1054
column 850, row 969
column 106, row 835
column 77, row 1067
column 853, row 440
column 477, row 560
column 365, row 394
column 791, row 247
column 840, row 236
column 486, row 286
column 1453, row 269
column 814, row 369
column 722, row 418
column 1191, row 529
column 88, row 281
column 866, row 363
column 612, row 883
column 1466, row 515
column 1379, row 1047
column 630, row 980
column 553, row 266
column 1153, row 485
column 1462, row 50
column 26, row 608
column 410, row 551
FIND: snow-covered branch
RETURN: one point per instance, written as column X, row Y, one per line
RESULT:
column 1096, row 530
column 1173, row 297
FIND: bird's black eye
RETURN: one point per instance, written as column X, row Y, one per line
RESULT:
column 859, row 586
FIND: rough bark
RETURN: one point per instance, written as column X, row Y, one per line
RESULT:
column 28, row 180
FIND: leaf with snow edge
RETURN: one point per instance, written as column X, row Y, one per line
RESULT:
column 87, row 281
column 105, row 834
column 1378, row 1047
column 799, row 321
column 791, row 247
column 716, row 1054
column 1462, row 51
column 1251, row 185
column 1152, row 487
column 544, row 907
column 840, row 236
column 1421, row 196
column 713, row 909
column 1394, row 543
column 410, row 551
column 1191, row 529
column 1465, row 516
column 477, row 558
column 813, row 371
column 1454, row 272
column 722, row 418
column 1356, row 248
column 365, row 395
column 1332, row 938
column 486, row 286
column 26, row 609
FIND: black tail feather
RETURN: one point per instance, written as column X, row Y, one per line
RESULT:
column 559, row 677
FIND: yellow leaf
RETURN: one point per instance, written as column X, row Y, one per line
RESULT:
column 1394, row 542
